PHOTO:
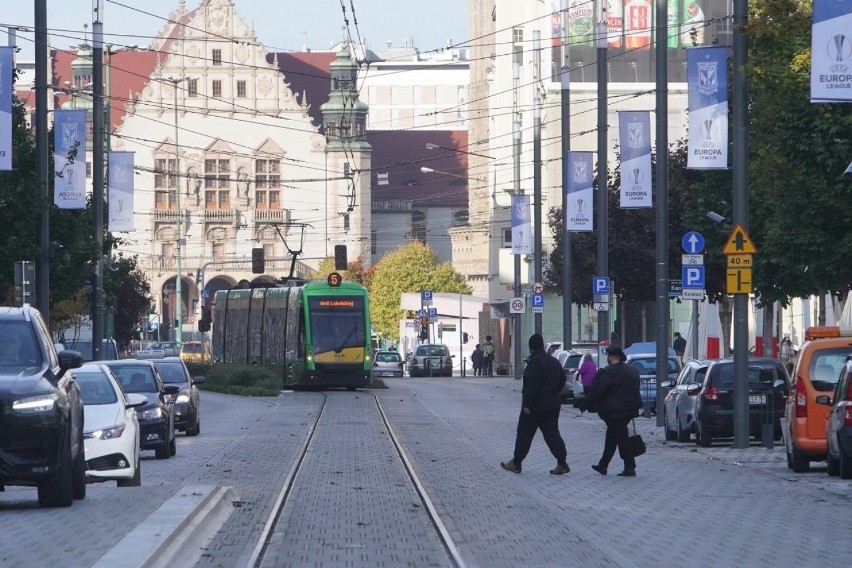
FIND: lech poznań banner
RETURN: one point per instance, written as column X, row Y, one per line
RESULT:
column 6, row 107
column 521, row 225
column 634, row 135
column 707, row 80
column 121, row 192
column 69, row 137
column 831, row 51
column 578, row 216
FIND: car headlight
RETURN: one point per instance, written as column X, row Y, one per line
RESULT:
column 182, row 397
column 106, row 433
column 35, row 404
column 150, row 414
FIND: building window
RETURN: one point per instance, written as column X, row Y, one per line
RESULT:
column 330, row 129
column 269, row 251
column 164, row 200
column 217, row 183
column 192, row 88
column 217, row 57
column 217, row 250
column 346, row 221
column 217, row 88
column 164, row 173
column 241, row 89
column 517, row 35
column 267, row 182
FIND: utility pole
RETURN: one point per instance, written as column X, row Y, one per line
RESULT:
column 537, row 165
column 43, row 265
column 98, row 177
column 603, row 197
column 516, row 155
column 179, row 213
column 740, row 214
column 662, row 201
column 565, row 104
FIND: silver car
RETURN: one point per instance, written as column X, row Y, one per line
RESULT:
column 679, row 404
column 387, row 364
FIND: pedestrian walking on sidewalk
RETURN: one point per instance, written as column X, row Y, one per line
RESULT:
column 540, row 405
column 488, row 357
column 615, row 397
column 476, row 360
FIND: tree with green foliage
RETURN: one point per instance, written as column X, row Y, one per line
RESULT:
column 410, row 268
column 129, row 295
column 356, row 271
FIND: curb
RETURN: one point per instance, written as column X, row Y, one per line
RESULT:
column 175, row 533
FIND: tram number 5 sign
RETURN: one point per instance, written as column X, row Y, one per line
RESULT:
column 517, row 305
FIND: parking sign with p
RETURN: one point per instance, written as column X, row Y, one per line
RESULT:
column 693, row 276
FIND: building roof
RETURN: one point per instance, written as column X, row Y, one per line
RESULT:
column 308, row 74
column 401, row 153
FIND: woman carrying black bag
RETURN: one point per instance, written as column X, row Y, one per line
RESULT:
column 616, row 398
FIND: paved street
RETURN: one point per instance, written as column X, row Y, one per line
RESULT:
column 710, row 507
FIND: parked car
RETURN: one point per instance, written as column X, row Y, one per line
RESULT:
column 111, row 432
column 838, row 427
column 41, row 411
column 388, row 364
column 187, row 402
column 572, row 392
column 821, row 358
column 157, row 418
column 768, row 388
column 430, row 359
column 679, row 404
column 646, row 364
column 195, row 352
column 169, row 348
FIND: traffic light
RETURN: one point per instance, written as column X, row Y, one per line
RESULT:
column 258, row 265
column 340, row 262
column 206, row 318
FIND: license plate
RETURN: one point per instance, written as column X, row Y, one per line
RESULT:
column 756, row 399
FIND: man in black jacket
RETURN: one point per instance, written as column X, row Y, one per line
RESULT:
column 543, row 381
column 615, row 397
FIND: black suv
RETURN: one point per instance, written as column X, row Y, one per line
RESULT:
column 768, row 388
column 41, row 411
column 187, row 411
column 157, row 418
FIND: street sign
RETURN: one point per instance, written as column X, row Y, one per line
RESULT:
column 422, row 313
column 693, row 242
column 739, row 242
column 426, row 297
column 600, row 285
column 693, row 294
column 417, row 323
column 739, row 280
column 517, row 305
column 537, row 288
column 740, row 260
column 433, row 314
column 675, row 288
column 692, row 259
column 205, row 294
column 693, row 277
column 601, row 306
column 537, row 303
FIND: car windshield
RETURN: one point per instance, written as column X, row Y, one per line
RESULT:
column 648, row 365
column 171, row 373
column 388, row 358
column 573, row 361
column 84, row 347
column 18, row 347
column 135, row 378
column 826, row 365
column 758, row 373
column 193, row 348
column 95, row 388
column 432, row 350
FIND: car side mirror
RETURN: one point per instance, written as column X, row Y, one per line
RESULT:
column 135, row 400
column 171, row 389
column 824, row 399
column 666, row 384
column 198, row 380
column 693, row 389
column 778, row 383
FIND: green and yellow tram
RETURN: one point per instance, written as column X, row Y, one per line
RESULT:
column 318, row 331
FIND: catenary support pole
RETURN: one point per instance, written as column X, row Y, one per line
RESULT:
column 98, row 177
column 602, row 201
column 565, row 104
column 537, row 197
column 662, row 203
column 43, row 264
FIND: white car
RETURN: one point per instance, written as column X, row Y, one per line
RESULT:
column 111, row 429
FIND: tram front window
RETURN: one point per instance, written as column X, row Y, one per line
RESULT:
column 336, row 329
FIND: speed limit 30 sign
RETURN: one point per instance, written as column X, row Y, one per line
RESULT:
column 517, row 305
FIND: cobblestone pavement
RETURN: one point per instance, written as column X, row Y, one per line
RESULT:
column 715, row 506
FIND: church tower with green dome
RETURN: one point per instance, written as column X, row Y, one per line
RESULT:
column 348, row 156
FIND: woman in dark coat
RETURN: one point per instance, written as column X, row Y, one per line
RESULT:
column 615, row 397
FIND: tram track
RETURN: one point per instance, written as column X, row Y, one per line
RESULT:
column 401, row 513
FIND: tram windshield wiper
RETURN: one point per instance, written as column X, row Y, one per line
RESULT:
column 345, row 341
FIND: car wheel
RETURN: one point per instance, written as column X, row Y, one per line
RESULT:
column 172, row 447
column 78, row 474
column 703, row 438
column 58, row 492
column 833, row 465
column 671, row 435
column 799, row 463
column 682, row 435
column 134, row 481
column 194, row 428
column 845, row 465
column 164, row 452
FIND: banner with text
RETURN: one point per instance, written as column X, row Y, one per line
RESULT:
column 831, row 51
column 707, row 83
column 521, row 225
column 578, row 217
column 634, row 135
column 120, row 192
column 6, row 92
column 69, row 159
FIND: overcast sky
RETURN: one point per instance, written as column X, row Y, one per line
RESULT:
column 280, row 25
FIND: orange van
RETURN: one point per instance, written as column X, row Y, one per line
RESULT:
column 821, row 359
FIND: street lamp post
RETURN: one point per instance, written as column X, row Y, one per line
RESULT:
column 179, row 247
column 98, row 177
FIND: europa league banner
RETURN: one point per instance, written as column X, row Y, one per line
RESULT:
column 69, row 137
column 707, row 81
column 634, row 135
column 6, row 108
column 521, row 225
column 120, row 192
column 831, row 51
column 578, row 217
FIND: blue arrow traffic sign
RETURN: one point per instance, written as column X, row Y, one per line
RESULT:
column 693, row 242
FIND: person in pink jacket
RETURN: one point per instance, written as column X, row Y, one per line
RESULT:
column 586, row 372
